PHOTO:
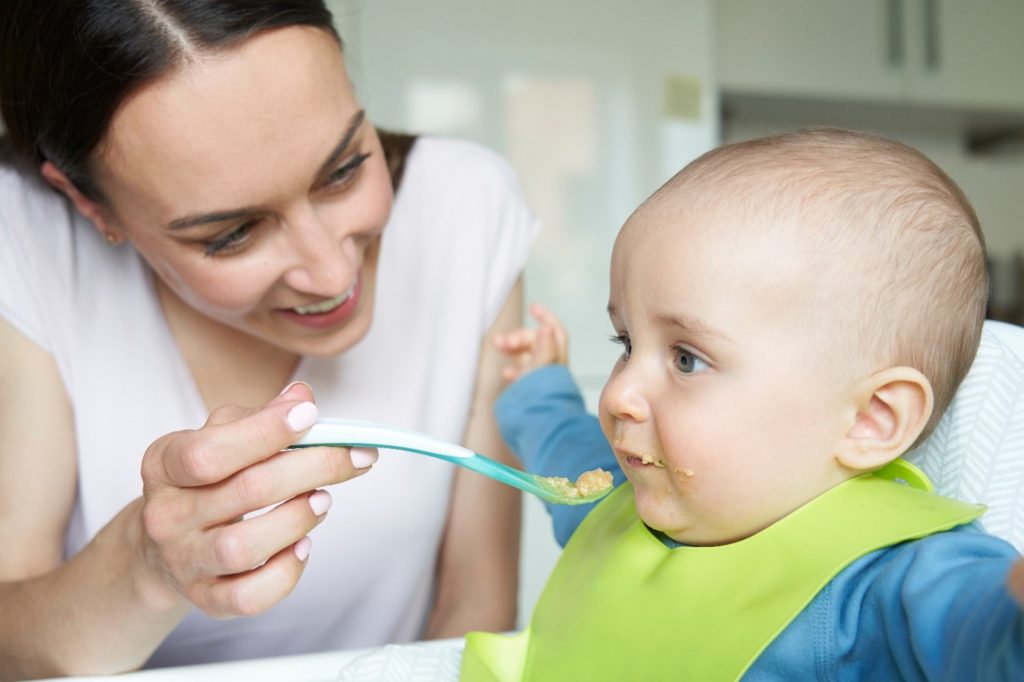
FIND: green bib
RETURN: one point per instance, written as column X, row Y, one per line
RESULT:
column 620, row 605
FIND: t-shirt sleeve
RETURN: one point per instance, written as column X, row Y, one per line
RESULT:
column 35, row 256
column 490, row 187
column 944, row 607
column 544, row 420
column 517, row 229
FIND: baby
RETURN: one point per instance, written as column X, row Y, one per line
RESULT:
column 795, row 313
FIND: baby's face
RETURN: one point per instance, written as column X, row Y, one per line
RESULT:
column 717, row 410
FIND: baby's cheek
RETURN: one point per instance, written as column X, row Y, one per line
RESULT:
column 682, row 476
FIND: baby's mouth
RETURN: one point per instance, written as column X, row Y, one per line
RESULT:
column 325, row 306
column 645, row 460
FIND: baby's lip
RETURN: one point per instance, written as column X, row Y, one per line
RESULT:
column 635, row 459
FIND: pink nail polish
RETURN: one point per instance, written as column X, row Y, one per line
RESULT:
column 302, row 416
column 320, row 502
column 288, row 387
column 362, row 457
column 302, row 548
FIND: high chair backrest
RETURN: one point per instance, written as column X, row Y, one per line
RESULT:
column 976, row 452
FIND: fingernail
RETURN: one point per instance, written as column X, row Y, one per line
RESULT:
column 302, row 416
column 289, row 387
column 302, row 548
column 362, row 458
column 320, row 502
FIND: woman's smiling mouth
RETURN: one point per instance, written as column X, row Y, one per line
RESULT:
column 327, row 313
column 325, row 306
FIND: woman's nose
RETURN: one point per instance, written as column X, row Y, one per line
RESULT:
column 324, row 258
column 623, row 396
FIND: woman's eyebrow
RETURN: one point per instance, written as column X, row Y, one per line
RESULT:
column 339, row 150
column 194, row 219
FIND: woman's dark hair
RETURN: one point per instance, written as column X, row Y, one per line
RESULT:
column 66, row 65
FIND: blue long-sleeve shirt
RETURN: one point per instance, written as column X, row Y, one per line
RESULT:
column 932, row 609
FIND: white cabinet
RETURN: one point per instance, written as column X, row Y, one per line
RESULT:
column 972, row 52
column 837, row 48
column 961, row 53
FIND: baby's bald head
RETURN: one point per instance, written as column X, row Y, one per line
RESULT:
column 895, row 255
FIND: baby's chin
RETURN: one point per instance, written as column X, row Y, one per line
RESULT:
column 692, row 533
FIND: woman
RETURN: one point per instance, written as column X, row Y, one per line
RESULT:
column 200, row 214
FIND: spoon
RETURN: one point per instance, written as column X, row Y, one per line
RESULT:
column 357, row 434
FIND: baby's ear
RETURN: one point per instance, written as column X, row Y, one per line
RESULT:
column 892, row 408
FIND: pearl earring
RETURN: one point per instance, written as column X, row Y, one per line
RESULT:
column 112, row 238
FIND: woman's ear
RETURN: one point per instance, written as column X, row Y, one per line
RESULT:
column 86, row 206
column 893, row 407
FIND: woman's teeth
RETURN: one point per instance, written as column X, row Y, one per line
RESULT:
column 324, row 306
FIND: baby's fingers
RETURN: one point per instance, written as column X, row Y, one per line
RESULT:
column 545, row 350
column 514, row 342
column 1015, row 582
column 560, row 338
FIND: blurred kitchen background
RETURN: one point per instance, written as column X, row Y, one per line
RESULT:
column 597, row 102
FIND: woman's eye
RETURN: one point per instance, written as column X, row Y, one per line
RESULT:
column 346, row 170
column 231, row 240
column 687, row 362
column 622, row 340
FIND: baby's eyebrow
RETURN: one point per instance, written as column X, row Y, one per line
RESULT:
column 691, row 325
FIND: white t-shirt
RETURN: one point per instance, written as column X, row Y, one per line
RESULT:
column 458, row 237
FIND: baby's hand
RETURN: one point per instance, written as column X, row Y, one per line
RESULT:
column 529, row 349
column 1015, row 581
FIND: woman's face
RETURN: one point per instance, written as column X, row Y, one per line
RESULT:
column 252, row 184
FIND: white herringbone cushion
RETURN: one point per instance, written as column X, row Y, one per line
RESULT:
column 976, row 453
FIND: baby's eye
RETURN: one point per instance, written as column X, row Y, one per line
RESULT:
column 622, row 340
column 687, row 362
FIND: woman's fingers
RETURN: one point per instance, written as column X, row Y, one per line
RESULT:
column 221, row 448
column 280, row 477
column 254, row 591
column 201, row 486
column 239, row 547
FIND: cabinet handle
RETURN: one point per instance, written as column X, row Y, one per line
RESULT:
column 931, row 34
column 894, row 32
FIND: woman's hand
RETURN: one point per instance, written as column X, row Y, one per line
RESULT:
column 530, row 349
column 201, row 539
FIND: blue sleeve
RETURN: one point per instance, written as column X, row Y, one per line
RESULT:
column 943, row 606
column 544, row 421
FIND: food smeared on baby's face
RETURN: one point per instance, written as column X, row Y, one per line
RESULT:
column 588, row 484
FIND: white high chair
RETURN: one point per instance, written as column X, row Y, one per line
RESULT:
column 976, row 452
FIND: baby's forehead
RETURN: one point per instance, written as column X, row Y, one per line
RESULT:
column 752, row 206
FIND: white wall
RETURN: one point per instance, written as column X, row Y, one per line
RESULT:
column 993, row 182
column 594, row 102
